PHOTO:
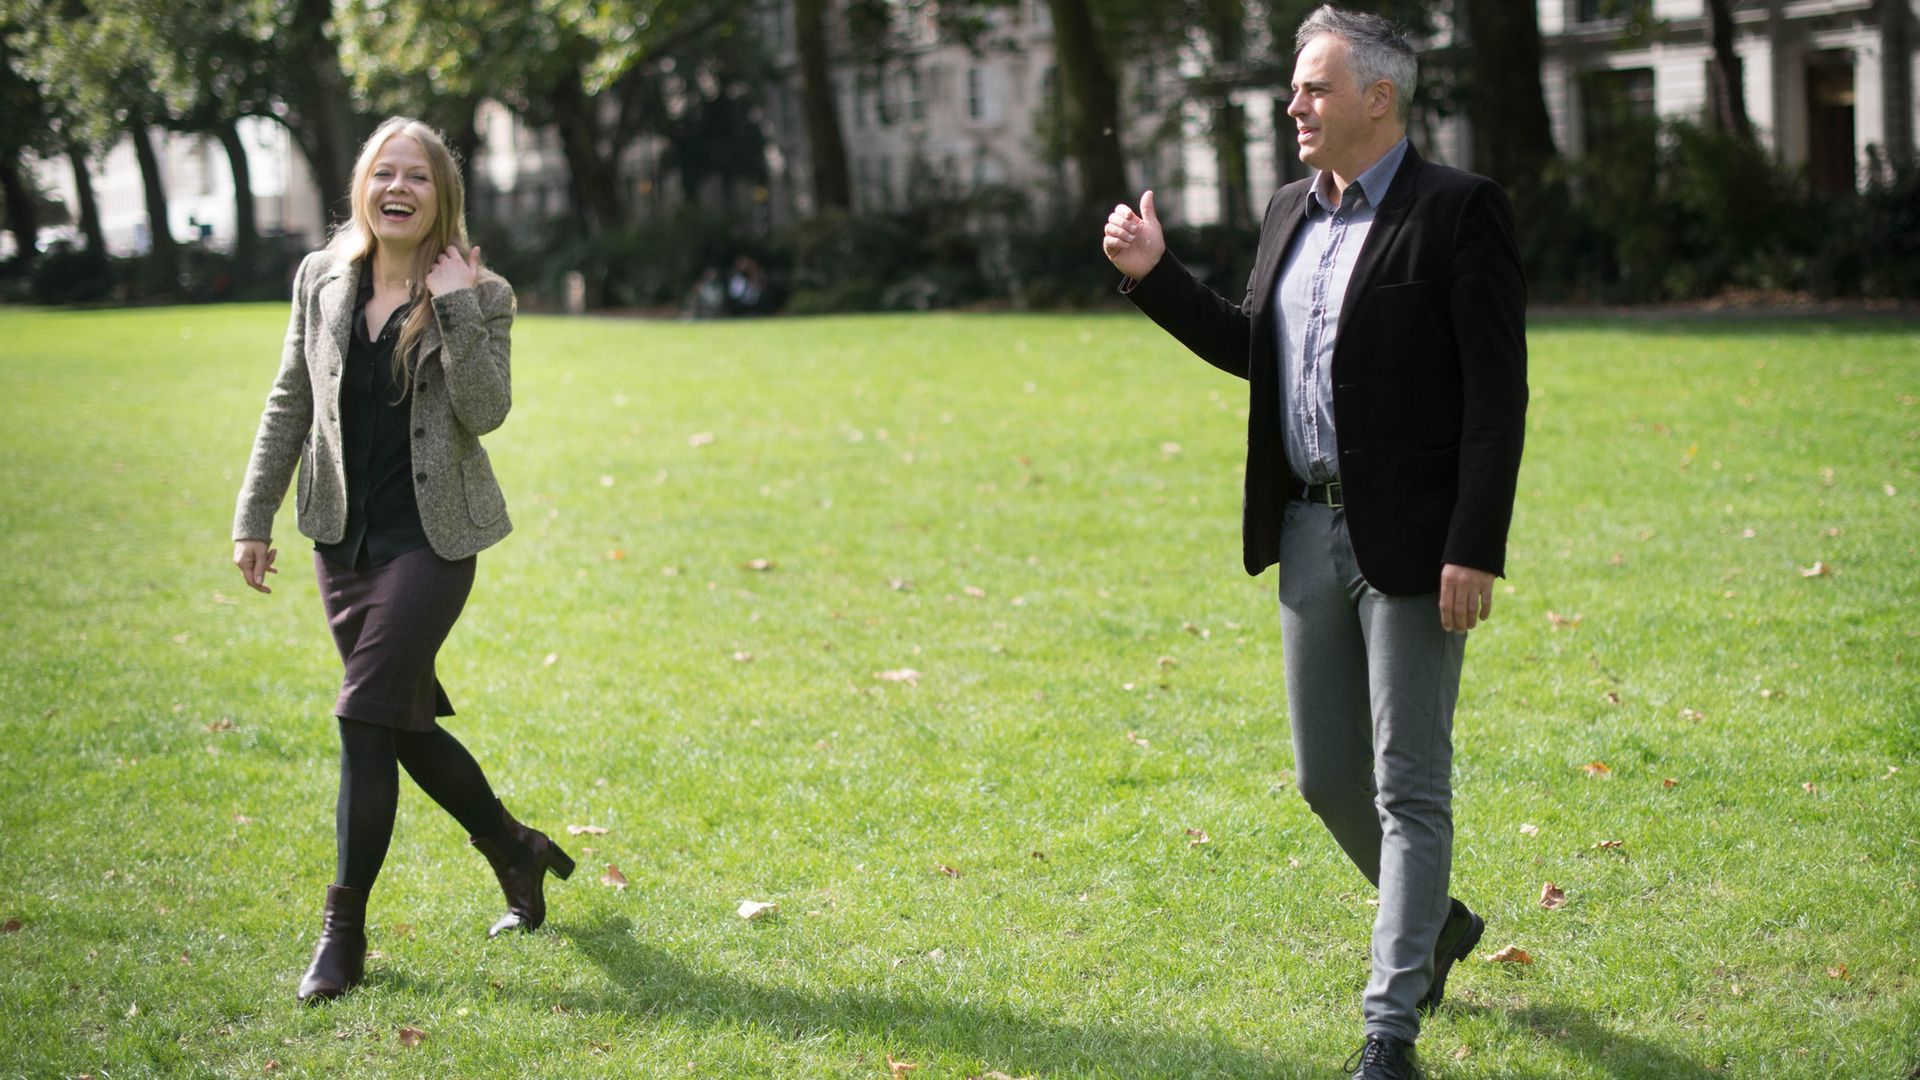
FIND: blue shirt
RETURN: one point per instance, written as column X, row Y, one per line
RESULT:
column 1307, row 301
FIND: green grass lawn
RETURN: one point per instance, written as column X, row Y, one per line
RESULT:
column 1040, row 516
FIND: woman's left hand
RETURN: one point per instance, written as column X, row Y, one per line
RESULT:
column 451, row 273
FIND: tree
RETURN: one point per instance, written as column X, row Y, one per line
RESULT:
column 832, row 184
column 23, row 116
column 1091, row 97
column 1506, row 108
column 1729, row 92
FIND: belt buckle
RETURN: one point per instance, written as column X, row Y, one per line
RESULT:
column 1335, row 497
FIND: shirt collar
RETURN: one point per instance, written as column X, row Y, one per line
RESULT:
column 1362, row 192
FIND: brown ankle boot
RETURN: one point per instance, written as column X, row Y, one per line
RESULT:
column 521, row 858
column 341, row 957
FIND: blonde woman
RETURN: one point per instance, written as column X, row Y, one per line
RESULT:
column 395, row 364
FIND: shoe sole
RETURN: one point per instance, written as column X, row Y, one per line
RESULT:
column 1475, row 928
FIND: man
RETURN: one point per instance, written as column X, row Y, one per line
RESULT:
column 1382, row 337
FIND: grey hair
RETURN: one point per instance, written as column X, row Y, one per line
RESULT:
column 1379, row 50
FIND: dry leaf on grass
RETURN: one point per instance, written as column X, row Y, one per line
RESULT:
column 906, row 675
column 1196, row 837
column 586, row 830
column 1529, row 829
column 1558, row 620
column 1669, row 782
column 755, row 909
column 411, row 1036
column 743, row 658
column 1512, row 954
column 222, row 724
column 1692, row 714
column 1839, row 971
column 1138, row 740
column 900, row 1068
column 1810, row 788
column 614, row 877
column 974, row 591
column 1818, row 569
column 699, row 439
column 1608, row 845
column 760, row 565
column 947, row 870
column 615, row 555
column 1461, row 1053
column 1597, row 768
column 1613, row 698
column 1552, row 897
column 11, row 926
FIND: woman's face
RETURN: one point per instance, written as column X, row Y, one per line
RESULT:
column 400, row 201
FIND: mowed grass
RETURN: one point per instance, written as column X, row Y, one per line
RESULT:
column 1040, row 516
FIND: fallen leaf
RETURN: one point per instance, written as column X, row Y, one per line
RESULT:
column 242, row 819
column 1512, row 954
column 599, row 1049
column 1613, row 698
column 1607, row 845
column 1169, row 448
column 133, row 1010
column 743, row 658
column 1669, row 782
column 552, row 659
column 1529, row 829
column 905, row 675
column 586, row 830
column 900, row 584
column 698, row 439
column 1890, row 490
column 1167, row 662
column 1461, row 1053
column 1810, row 788
column 1041, row 855
column 1597, row 768
column 755, row 909
column 1139, row 740
column 1818, row 569
column 615, row 555
column 1839, row 971
column 947, row 870
column 1552, row 897
column 1769, row 695
column 1196, row 631
column 1891, row 770
column 761, row 565
column 974, row 591
column 1692, row 714
column 11, row 926
column 1686, row 459
column 606, row 481
column 614, row 877
column 270, row 1065
column 669, row 571
column 1558, row 620
column 222, row 724
column 1196, row 837
column 900, row 1068
column 411, row 1036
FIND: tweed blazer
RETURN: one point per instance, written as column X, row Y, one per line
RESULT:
column 461, row 391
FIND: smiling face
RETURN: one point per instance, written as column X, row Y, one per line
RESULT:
column 400, row 201
column 1340, row 125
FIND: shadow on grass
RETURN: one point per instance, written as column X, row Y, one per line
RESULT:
column 649, row 982
column 1606, row 1050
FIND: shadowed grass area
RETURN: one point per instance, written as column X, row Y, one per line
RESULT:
column 1040, row 516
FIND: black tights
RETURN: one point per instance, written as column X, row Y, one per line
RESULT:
column 370, row 791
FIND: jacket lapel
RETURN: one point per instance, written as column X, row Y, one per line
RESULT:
column 1281, row 227
column 1386, row 225
column 337, row 291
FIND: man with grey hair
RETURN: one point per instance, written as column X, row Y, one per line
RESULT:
column 1383, row 340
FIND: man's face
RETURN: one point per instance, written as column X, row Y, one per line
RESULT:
column 1332, row 117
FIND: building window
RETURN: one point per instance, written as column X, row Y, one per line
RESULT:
column 1618, row 109
column 1830, row 133
column 976, row 100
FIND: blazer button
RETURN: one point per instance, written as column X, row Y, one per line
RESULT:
column 419, row 431
column 420, row 476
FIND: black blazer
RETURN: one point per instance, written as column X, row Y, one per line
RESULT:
column 1429, row 375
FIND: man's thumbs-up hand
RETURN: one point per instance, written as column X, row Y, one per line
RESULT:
column 1134, row 242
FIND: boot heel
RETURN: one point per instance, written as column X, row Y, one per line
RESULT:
column 558, row 861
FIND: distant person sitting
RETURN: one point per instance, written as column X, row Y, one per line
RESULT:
column 708, row 300
column 746, row 286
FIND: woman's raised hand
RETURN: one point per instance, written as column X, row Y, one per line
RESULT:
column 451, row 272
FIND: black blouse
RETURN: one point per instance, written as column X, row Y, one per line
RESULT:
column 383, row 518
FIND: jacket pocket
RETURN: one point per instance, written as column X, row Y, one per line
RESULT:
column 303, row 492
column 485, row 503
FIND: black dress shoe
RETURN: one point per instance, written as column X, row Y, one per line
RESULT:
column 1457, row 938
column 1383, row 1058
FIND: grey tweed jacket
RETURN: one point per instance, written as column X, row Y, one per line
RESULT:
column 461, row 391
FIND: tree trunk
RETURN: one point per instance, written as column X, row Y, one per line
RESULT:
column 1093, row 105
column 832, row 186
column 322, row 121
column 23, row 218
column 1896, row 19
column 1512, row 138
column 1729, row 91
column 1230, row 151
column 89, row 206
column 246, row 229
column 166, row 257
column 596, row 189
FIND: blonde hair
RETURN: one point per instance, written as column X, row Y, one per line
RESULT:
column 354, row 240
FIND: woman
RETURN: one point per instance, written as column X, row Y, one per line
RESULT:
column 395, row 363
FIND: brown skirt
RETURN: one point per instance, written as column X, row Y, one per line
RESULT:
column 388, row 622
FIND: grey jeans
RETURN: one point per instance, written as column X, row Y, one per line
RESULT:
column 1371, row 685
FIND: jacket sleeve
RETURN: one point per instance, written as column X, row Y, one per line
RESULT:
column 1213, row 327
column 284, row 425
column 475, row 332
column 1488, row 302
